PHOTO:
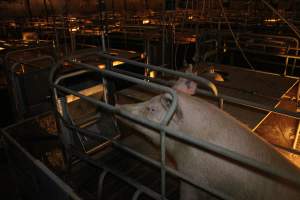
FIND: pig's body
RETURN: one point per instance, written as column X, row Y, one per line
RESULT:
column 202, row 120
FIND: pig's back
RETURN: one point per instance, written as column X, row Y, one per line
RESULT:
column 207, row 122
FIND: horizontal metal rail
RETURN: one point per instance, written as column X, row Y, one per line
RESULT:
column 245, row 161
column 267, row 53
column 167, row 116
column 150, row 161
column 22, row 51
column 197, row 79
column 189, row 140
column 226, row 98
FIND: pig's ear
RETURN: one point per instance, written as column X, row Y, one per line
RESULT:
column 166, row 101
column 185, row 86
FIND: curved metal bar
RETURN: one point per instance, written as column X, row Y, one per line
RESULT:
column 198, row 143
column 154, row 163
column 100, row 184
column 197, row 79
column 128, row 180
column 168, row 116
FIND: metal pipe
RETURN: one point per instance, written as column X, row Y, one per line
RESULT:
column 178, row 135
column 40, row 165
column 136, row 195
column 280, row 37
column 16, row 91
column 100, row 184
column 197, row 79
column 127, row 180
column 20, row 51
column 152, row 162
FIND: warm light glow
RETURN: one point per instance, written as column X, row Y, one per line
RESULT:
column 190, row 17
column 272, row 20
column 86, row 92
column 115, row 63
column 146, row 21
column 29, row 36
column 74, row 29
column 72, row 19
column 225, row 48
column 13, row 24
column 101, row 66
column 152, row 74
column 1, row 48
column 7, row 44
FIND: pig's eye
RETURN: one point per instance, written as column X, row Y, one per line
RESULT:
column 150, row 109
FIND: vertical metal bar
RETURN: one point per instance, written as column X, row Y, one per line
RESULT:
column 100, row 184
column 109, row 88
column 136, row 195
column 286, row 66
column 221, row 103
column 298, row 110
column 163, row 163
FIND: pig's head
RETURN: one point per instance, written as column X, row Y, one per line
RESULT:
column 156, row 108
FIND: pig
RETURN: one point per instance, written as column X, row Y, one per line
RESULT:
column 204, row 121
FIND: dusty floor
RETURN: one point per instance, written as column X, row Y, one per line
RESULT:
column 281, row 130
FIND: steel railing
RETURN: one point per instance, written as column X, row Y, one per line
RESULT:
column 162, row 129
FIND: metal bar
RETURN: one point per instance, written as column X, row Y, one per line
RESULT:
column 154, row 163
column 252, row 104
column 128, row 180
column 253, row 164
column 136, row 195
column 41, row 166
column 19, row 104
column 197, row 79
column 23, row 50
column 280, row 37
column 165, row 120
column 266, row 53
column 100, row 184
column 198, row 143
column 221, row 97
